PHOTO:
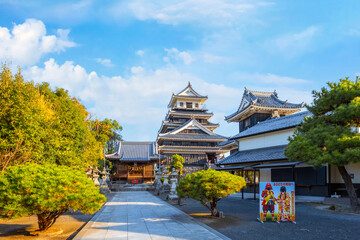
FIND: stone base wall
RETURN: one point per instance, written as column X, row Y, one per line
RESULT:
column 192, row 169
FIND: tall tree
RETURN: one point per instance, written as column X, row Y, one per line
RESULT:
column 330, row 135
column 42, row 125
column 107, row 131
column 26, row 117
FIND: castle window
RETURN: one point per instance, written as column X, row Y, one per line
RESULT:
column 181, row 104
column 196, row 105
column 247, row 123
column 189, row 105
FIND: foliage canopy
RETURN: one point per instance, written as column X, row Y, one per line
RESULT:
column 329, row 135
column 47, row 191
column 41, row 125
column 177, row 162
column 210, row 186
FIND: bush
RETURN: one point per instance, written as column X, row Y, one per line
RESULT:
column 47, row 191
column 209, row 187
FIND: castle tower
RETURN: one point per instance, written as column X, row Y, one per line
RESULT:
column 188, row 132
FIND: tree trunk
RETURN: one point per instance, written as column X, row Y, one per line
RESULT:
column 47, row 219
column 214, row 211
column 349, row 187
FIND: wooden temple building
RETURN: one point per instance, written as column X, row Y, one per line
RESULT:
column 188, row 132
column 134, row 162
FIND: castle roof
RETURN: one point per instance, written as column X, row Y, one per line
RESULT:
column 188, row 93
column 265, row 100
column 275, row 124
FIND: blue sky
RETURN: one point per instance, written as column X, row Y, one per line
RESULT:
column 124, row 59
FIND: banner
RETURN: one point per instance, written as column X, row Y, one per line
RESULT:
column 277, row 201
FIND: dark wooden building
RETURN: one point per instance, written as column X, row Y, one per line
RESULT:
column 134, row 161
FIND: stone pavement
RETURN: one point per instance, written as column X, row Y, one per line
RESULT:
column 142, row 216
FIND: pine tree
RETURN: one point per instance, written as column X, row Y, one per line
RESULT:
column 330, row 135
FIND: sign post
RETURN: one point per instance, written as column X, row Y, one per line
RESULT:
column 277, row 201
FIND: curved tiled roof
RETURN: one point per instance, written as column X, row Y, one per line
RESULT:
column 134, row 151
column 255, row 155
column 193, row 136
column 275, row 124
column 262, row 99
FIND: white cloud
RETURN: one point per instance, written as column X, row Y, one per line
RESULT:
column 294, row 44
column 106, row 62
column 28, row 42
column 210, row 58
column 139, row 52
column 137, row 70
column 214, row 12
column 139, row 100
column 175, row 54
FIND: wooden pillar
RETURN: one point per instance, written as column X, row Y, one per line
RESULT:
column 127, row 172
column 143, row 172
column 293, row 174
column 254, row 185
column 242, row 190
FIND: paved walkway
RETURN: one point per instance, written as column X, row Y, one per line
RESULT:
column 143, row 216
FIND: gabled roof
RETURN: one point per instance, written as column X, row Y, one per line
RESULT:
column 191, row 123
column 275, row 124
column 186, row 93
column 134, row 151
column 255, row 155
column 261, row 99
column 190, row 92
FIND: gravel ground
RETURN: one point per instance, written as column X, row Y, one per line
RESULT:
column 313, row 221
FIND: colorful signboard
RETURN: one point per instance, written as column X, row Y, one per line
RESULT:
column 277, row 201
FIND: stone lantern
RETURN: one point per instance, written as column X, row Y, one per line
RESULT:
column 104, row 176
column 173, row 194
column 165, row 175
column 173, row 177
column 107, row 174
column 89, row 173
column 96, row 176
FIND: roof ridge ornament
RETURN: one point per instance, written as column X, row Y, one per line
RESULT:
column 276, row 94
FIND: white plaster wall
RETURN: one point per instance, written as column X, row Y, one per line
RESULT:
column 351, row 168
column 266, row 140
column 265, row 174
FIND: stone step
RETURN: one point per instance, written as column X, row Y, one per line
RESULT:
column 132, row 187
